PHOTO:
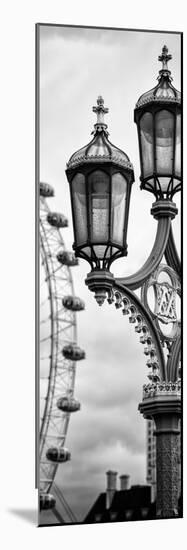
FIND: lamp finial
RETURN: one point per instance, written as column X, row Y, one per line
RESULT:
column 164, row 58
column 100, row 110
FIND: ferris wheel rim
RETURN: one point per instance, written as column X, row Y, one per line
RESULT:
column 50, row 277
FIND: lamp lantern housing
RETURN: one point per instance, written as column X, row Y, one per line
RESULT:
column 158, row 118
column 100, row 176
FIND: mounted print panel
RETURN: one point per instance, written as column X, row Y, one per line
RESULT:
column 109, row 362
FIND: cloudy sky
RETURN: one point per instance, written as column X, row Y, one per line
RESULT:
column 77, row 65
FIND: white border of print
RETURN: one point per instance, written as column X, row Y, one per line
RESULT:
column 18, row 498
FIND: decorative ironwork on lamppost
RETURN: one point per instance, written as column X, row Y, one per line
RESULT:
column 100, row 177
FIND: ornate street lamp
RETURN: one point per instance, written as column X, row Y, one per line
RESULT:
column 158, row 118
column 100, row 177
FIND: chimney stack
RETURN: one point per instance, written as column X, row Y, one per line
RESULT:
column 124, row 482
column 111, row 487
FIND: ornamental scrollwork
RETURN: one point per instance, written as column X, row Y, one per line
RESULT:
column 132, row 307
column 165, row 304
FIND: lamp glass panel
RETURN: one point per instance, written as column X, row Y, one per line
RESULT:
column 146, row 138
column 176, row 183
column 87, row 250
column 149, row 184
column 178, row 147
column 99, row 205
column 114, row 250
column 119, row 193
column 79, row 208
column 101, row 251
column 164, row 184
column 164, row 122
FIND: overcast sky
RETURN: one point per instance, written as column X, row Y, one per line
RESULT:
column 77, row 65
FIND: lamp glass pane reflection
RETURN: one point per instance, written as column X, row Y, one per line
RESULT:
column 146, row 137
column 79, row 208
column 99, row 197
column 164, row 130
column 119, row 191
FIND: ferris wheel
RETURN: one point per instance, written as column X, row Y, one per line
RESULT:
column 59, row 351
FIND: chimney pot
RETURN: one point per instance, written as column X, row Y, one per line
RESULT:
column 124, row 482
column 111, row 487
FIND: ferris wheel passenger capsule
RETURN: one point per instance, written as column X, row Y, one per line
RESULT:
column 73, row 303
column 55, row 454
column 67, row 258
column 46, row 190
column 57, row 220
column 73, row 352
column 68, row 404
column 47, row 501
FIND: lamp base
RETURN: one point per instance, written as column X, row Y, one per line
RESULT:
column 164, row 209
column 100, row 282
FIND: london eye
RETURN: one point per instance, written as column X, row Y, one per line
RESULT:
column 59, row 351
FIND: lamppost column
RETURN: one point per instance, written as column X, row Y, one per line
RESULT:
column 162, row 403
column 167, row 451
